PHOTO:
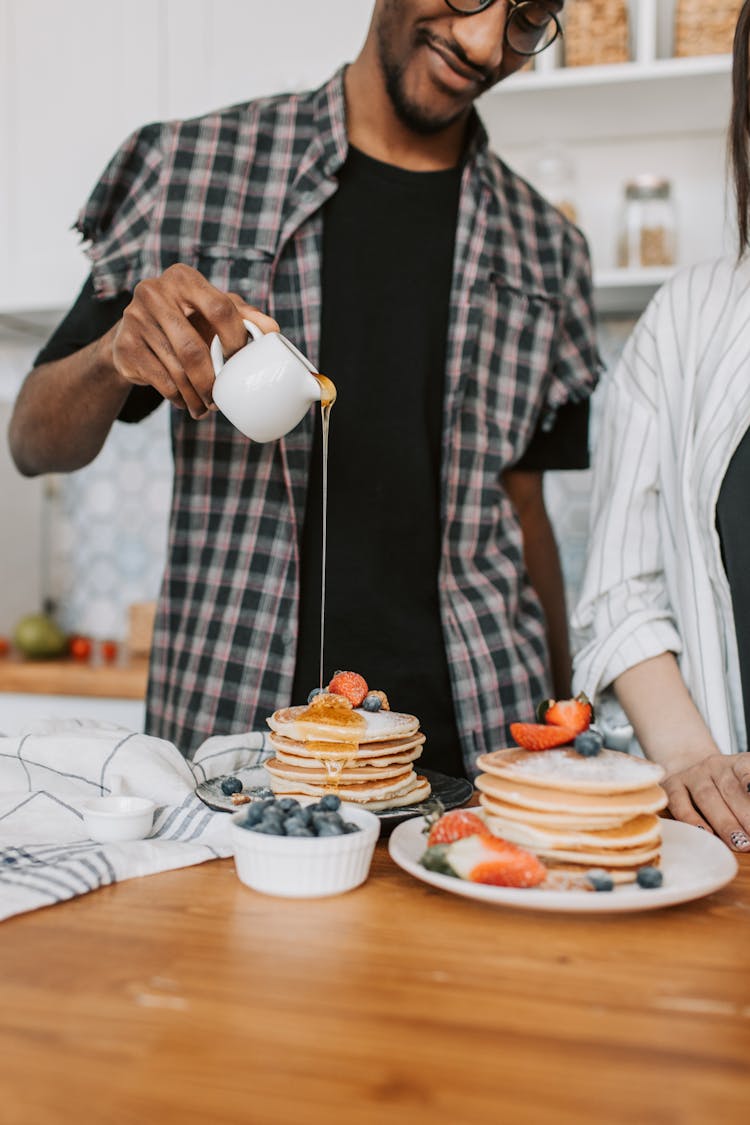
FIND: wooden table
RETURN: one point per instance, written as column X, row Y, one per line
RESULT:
column 186, row 997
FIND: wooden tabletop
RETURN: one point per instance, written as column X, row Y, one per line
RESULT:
column 185, row 997
column 126, row 679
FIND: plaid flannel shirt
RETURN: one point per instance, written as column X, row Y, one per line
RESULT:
column 238, row 194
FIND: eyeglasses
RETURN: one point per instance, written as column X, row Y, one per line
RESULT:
column 530, row 26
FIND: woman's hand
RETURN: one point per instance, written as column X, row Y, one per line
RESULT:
column 714, row 793
column 164, row 335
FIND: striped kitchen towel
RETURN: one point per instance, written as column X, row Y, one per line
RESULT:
column 46, row 855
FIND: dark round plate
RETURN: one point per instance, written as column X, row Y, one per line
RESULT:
column 452, row 792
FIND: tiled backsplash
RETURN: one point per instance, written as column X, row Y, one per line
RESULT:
column 104, row 527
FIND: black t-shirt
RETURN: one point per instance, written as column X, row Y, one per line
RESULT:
column 387, row 268
column 734, row 533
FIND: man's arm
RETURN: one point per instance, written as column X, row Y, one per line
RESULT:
column 65, row 410
column 66, row 407
column 543, row 565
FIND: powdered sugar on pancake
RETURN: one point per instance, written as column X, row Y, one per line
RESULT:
column 610, row 770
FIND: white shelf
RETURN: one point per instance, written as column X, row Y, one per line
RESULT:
column 665, row 97
column 660, row 70
column 627, row 291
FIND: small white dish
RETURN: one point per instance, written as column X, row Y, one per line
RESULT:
column 305, row 866
column 114, row 819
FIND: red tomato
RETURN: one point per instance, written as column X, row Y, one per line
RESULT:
column 80, row 648
column 109, row 651
column 4, row 646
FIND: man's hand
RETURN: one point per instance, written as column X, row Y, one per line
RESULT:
column 164, row 335
column 715, row 794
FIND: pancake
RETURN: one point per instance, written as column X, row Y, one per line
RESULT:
column 610, row 771
column 405, row 790
column 367, row 726
column 575, row 812
column 641, row 831
column 495, row 807
column 628, row 857
column 547, row 799
column 322, row 776
column 361, row 756
column 400, row 749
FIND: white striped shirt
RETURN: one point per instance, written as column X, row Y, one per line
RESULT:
column 676, row 408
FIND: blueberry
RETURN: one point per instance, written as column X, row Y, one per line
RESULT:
column 315, row 691
column 329, row 828
column 267, row 829
column 649, row 877
column 600, row 880
column 588, row 743
column 294, row 822
column 287, row 804
column 254, row 815
column 230, row 785
column 298, row 829
column 349, row 827
column 274, row 818
column 372, row 703
column 330, row 803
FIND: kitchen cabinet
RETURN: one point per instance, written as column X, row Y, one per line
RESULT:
column 76, row 78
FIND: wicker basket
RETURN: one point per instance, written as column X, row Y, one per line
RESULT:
column 596, row 32
column 705, row 28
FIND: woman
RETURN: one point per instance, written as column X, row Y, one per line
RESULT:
column 664, row 614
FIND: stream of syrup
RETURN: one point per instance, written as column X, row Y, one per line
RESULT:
column 327, row 399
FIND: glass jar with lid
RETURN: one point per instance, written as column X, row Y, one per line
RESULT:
column 648, row 235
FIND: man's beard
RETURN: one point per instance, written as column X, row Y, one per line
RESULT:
column 414, row 116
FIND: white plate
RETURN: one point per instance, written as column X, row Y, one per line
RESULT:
column 694, row 864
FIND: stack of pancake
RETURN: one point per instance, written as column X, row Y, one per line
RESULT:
column 576, row 813
column 364, row 757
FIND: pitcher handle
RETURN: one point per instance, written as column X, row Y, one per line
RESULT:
column 217, row 355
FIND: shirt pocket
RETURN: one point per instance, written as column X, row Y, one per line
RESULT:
column 244, row 270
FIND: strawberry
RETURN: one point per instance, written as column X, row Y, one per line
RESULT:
column 575, row 714
column 494, row 861
column 454, row 826
column 351, row 685
column 539, row 736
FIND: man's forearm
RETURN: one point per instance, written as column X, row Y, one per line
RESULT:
column 542, row 561
column 543, row 564
column 65, row 410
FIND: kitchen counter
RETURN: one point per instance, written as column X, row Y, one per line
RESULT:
column 125, row 679
column 187, row 997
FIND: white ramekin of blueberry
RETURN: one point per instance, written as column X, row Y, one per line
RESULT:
column 282, row 847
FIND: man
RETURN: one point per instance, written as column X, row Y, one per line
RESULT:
column 451, row 307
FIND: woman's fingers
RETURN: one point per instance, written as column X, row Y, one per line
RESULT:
column 680, row 804
column 710, row 794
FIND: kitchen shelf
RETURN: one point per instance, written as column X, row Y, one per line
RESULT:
column 635, row 99
column 627, row 292
column 69, row 677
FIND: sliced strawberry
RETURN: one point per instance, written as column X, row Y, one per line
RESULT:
column 538, row 736
column 454, row 826
column 351, row 685
column 575, row 714
column 489, row 859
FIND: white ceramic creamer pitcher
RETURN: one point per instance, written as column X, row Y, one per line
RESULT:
column 266, row 388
